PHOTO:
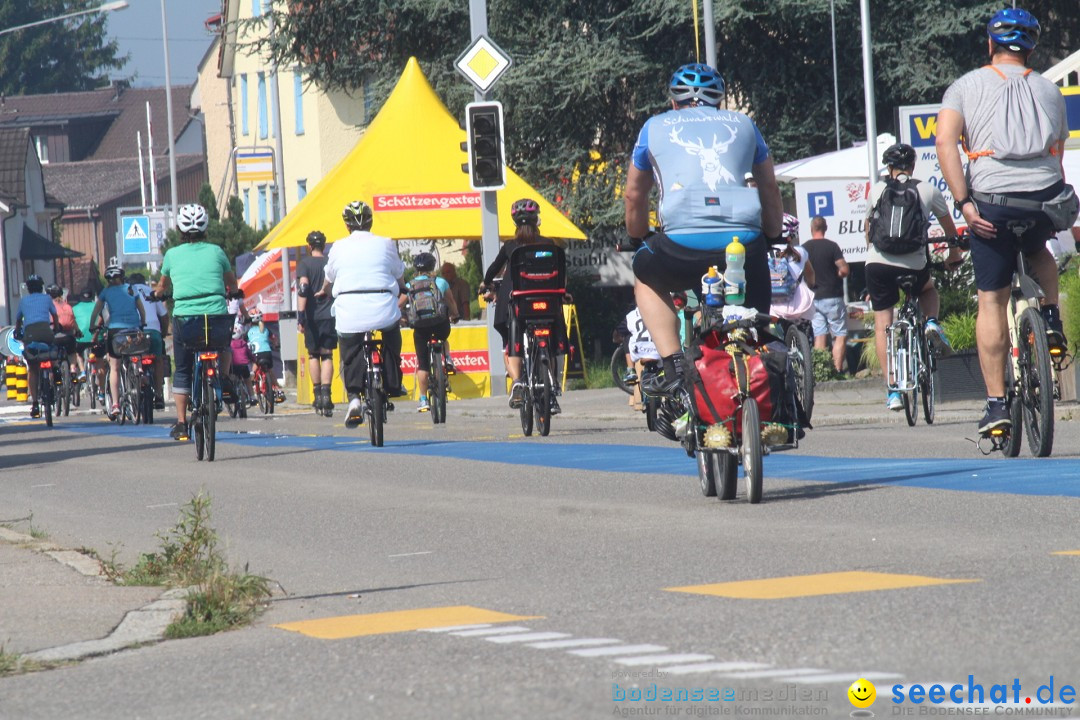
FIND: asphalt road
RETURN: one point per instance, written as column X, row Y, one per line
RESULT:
column 557, row 557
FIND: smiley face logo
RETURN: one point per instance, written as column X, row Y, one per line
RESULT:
column 862, row 693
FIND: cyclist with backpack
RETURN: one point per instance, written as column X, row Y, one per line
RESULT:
column 897, row 234
column 430, row 310
column 35, row 322
column 1013, row 195
column 126, row 312
column 69, row 329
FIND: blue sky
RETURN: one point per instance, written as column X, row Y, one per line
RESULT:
column 137, row 30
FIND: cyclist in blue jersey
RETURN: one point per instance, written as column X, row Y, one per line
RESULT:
column 697, row 155
column 125, row 313
column 35, row 321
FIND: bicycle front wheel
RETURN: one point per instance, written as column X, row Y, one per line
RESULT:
column 618, row 369
column 1036, row 382
column 751, row 450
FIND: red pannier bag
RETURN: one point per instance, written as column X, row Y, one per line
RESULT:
column 718, row 374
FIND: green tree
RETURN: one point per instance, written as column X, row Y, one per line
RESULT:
column 231, row 233
column 60, row 56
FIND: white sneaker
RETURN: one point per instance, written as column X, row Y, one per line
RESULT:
column 355, row 415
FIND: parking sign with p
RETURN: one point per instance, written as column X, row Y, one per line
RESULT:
column 820, row 203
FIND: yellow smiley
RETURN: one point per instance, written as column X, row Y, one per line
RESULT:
column 862, row 693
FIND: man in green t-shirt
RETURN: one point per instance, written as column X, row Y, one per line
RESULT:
column 198, row 275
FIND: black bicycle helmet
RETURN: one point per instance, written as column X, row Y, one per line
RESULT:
column 54, row 290
column 357, row 215
column 899, row 155
column 525, row 212
column 424, row 262
column 35, row 284
column 316, row 240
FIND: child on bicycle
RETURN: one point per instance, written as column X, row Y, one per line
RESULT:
column 791, row 275
column 241, row 361
column 261, row 341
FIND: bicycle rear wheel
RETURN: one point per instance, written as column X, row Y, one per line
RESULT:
column 928, row 384
column 268, row 390
column 542, row 405
column 911, row 398
column 1036, row 383
column 63, row 403
column 437, row 388
column 1011, row 448
column 803, row 362
column 706, row 469
column 199, row 431
column 210, row 416
column 45, row 394
column 727, row 474
column 129, row 405
column 146, row 398
column 376, row 410
column 526, row 409
column 751, row 450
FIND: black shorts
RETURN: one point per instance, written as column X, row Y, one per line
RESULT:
column 881, row 283
column 319, row 335
column 265, row 360
column 995, row 260
column 420, row 341
column 241, row 370
column 666, row 266
column 66, row 342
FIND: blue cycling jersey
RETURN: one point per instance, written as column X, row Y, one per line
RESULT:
column 123, row 313
column 35, row 308
column 698, row 157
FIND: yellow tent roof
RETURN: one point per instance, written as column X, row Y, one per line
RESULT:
column 407, row 166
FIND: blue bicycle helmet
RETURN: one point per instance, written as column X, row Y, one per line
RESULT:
column 1014, row 28
column 696, row 82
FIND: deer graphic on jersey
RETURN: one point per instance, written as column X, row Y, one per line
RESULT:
column 712, row 170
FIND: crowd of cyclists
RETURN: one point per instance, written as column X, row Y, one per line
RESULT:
column 713, row 173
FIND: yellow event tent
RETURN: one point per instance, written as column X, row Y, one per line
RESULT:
column 407, row 166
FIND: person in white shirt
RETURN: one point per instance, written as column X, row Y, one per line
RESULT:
column 366, row 274
column 157, row 327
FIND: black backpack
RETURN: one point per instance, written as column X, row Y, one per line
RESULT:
column 898, row 225
column 427, row 307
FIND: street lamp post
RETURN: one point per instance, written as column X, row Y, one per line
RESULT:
column 107, row 7
column 168, row 111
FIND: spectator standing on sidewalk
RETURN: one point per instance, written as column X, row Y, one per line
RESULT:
column 830, row 306
column 459, row 288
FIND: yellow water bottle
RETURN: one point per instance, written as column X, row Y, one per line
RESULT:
column 735, row 273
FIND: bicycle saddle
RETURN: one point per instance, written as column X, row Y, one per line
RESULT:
column 907, row 282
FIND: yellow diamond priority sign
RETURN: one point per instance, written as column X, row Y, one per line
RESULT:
column 482, row 63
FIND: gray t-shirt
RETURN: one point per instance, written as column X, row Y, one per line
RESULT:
column 933, row 203
column 975, row 96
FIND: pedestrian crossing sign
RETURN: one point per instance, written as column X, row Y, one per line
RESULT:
column 135, row 233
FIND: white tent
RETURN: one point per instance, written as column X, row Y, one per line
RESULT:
column 848, row 163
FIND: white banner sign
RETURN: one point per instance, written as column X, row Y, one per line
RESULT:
column 843, row 204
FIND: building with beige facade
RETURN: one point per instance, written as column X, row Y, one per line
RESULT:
column 319, row 128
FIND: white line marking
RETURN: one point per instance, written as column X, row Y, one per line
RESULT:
column 664, row 659
column 844, row 677
column 526, row 637
column 492, row 631
column 578, row 642
column 162, row 505
column 752, row 674
column 618, row 650
column 713, row 667
column 452, row 628
column 425, row 552
column 43, row 485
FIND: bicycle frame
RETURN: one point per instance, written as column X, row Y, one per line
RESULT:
column 1023, row 294
column 205, row 363
column 904, row 349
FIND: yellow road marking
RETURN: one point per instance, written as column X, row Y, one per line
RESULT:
column 1066, row 552
column 807, row 585
column 347, row 626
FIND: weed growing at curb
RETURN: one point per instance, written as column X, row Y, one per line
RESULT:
column 219, row 597
column 15, row 664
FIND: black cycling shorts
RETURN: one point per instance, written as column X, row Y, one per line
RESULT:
column 995, row 259
column 420, row 341
column 666, row 266
column 320, row 335
column 881, row 283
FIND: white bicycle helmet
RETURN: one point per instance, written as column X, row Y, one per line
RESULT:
column 192, row 219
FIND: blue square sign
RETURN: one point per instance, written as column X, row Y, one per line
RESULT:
column 135, row 235
column 820, row 203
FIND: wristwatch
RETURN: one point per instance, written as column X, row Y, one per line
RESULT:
column 959, row 204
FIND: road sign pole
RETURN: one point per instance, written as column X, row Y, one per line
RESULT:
column 489, row 219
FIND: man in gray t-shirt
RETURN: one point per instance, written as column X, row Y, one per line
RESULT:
column 971, row 109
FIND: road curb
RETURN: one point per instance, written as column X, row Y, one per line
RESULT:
column 138, row 627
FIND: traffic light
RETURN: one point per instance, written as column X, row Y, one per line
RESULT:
column 484, row 133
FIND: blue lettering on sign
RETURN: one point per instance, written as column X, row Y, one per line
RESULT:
column 820, row 203
column 923, row 129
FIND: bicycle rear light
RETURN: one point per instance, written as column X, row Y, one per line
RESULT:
column 148, row 360
column 376, row 358
column 208, row 356
column 540, row 305
column 543, row 332
column 45, row 364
